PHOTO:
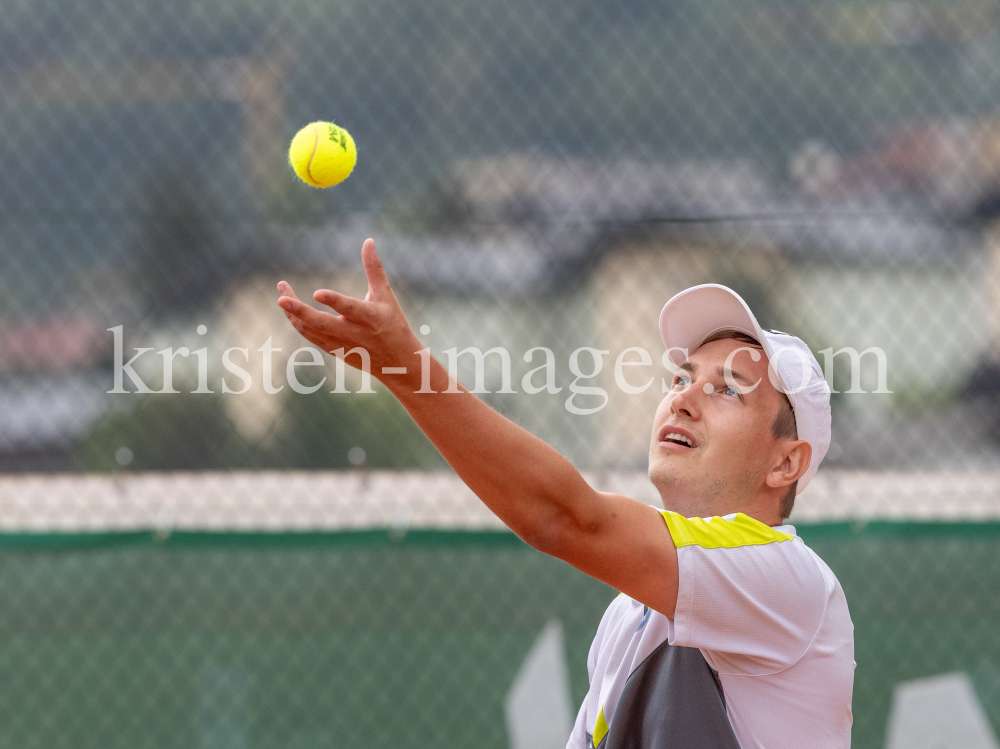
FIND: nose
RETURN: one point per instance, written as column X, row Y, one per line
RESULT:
column 687, row 402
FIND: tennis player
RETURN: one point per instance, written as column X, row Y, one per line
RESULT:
column 729, row 632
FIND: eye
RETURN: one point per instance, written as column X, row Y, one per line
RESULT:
column 681, row 381
column 731, row 392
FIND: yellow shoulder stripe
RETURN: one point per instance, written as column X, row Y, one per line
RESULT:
column 716, row 533
column 600, row 728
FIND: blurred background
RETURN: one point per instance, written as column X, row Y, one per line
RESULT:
column 188, row 558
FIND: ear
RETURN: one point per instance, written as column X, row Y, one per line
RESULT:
column 793, row 462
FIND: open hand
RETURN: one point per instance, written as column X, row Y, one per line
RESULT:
column 376, row 323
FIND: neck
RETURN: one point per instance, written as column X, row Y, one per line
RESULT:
column 763, row 508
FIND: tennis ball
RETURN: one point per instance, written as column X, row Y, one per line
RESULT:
column 322, row 154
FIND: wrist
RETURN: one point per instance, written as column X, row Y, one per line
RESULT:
column 424, row 375
column 407, row 372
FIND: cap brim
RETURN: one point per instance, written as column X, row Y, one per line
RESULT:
column 697, row 313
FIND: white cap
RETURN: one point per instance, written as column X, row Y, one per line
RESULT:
column 701, row 311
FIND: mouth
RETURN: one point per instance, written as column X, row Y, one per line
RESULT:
column 671, row 435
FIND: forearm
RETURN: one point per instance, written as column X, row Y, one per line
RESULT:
column 524, row 481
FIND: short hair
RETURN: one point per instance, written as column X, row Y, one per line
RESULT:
column 783, row 426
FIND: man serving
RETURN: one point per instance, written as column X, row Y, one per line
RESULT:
column 729, row 633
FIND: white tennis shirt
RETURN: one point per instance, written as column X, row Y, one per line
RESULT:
column 769, row 619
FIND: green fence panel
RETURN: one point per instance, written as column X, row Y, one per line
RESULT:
column 372, row 640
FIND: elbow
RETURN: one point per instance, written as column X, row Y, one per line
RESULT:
column 555, row 535
column 541, row 537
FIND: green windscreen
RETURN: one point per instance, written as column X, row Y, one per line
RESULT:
column 364, row 640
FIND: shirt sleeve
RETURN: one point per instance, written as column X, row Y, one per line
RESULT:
column 749, row 596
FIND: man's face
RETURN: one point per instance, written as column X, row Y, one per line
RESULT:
column 712, row 445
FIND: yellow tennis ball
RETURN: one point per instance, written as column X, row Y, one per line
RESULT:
column 322, row 154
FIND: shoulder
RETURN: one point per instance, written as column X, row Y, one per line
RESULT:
column 746, row 589
column 731, row 531
column 748, row 552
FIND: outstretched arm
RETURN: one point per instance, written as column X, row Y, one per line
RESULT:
column 524, row 481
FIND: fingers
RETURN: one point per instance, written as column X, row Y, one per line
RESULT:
column 355, row 316
column 348, row 306
column 378, row 282
column 312, row 320
column 285, row 289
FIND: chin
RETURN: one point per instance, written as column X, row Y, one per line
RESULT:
column 669, row 484
column 666, row 472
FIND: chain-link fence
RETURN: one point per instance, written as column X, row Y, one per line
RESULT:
column 537, row 175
